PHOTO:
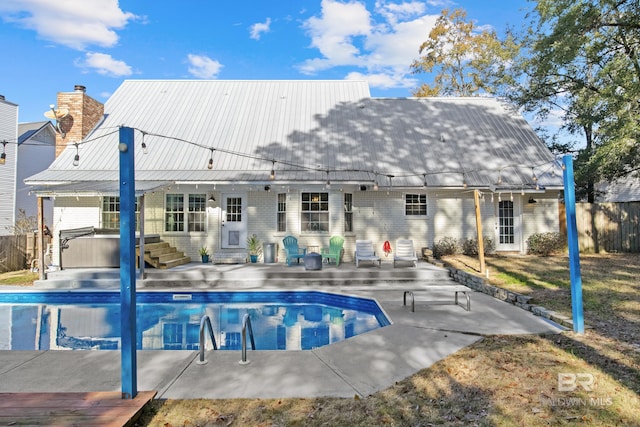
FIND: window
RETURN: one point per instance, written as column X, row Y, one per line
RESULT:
column 197, row 212
column 315, row 212
column 282, row 212
column 174, row 213
column 506, row 222
column 415, row 205
column 111, row 213
column 348, row 212
column 234, row 209
column 194, row 218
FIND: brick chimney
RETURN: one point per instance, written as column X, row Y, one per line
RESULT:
column 84, row 113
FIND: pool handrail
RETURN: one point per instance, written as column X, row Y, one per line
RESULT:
column 205, row 321
column 246, row 322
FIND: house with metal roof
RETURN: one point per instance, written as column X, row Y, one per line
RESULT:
column 27, row 148
column 216, row 161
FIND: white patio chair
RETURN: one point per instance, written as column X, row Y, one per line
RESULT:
column 405, row 252
column 364, row 252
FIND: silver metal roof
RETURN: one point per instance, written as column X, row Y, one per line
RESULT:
column 308, row 131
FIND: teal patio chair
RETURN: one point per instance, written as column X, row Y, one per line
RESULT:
column 334, row 251
column 291, row 248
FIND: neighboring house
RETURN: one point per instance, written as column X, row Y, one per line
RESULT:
column 625, row 189
column 8, row 164
column 36, row 151
column 226, row 159
column 27, row 148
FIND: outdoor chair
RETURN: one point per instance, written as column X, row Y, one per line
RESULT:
column 364, row 252
column 291, row 248
column 334, row 251
column 405, row 252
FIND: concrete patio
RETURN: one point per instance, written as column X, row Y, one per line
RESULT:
column 360, row 365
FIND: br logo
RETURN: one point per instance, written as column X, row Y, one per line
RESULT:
column 570, row 381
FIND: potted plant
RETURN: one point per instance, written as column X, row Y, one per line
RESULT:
column 254, row 248
column 204, row 254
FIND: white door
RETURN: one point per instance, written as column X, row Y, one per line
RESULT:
column 507, row 226
column 234, row 221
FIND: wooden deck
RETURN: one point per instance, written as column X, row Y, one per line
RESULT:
column 71, row 409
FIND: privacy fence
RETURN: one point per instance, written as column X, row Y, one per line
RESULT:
column 608, row 227
column 13, row 253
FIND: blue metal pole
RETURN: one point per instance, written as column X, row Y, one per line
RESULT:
column 127, row 264
column 572, row 240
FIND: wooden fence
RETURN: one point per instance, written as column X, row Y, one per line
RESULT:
column 13, row 253
column 608, row 227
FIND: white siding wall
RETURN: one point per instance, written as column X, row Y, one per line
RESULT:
column 34, row 157
column 189, row 243
column 540, row 217
column 8, row 132
column 377, row 216
column 71, row 212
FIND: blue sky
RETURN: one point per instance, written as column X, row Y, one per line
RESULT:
column 49, row 46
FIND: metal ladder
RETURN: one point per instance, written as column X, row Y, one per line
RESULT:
column 205, row 321
column 246, row 322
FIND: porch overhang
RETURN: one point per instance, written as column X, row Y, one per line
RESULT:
column 95, row 188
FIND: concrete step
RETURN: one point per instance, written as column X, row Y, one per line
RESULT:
column 174, row 262
column 245, row 276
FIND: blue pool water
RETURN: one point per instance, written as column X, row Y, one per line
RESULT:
column 288, row 320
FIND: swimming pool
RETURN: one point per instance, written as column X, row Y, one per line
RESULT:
column 90, row 320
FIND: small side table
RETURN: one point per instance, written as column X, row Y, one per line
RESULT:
column 313, row 261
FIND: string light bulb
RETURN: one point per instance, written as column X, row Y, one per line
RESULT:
column 534, row 178
column 272, row 176
column 424, row 180
column 145, row 149
column 499, row 177
column 76, row 158
column 210, row 165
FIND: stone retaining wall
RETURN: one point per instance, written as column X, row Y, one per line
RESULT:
column 525, row 302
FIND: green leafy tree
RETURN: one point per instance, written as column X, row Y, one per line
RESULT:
column 582, row 62
column 463, row 59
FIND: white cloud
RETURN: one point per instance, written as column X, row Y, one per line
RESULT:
column 73, row 23
column 203, row 67
column 383, row 42
column 333, row 34
column 258, row 28
column 384, row 81
column 105, row 64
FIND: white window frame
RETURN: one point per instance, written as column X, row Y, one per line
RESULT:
column 417, row 204
column 312, row 225
column 188, row 216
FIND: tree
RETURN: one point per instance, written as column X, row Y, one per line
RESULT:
column 465, row 61
column 583, row 62
column 24, row 224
